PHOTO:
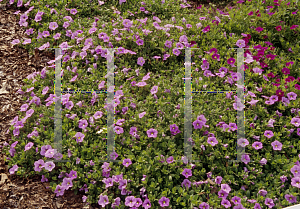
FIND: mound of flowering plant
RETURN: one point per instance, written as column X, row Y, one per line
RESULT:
column 149, row 106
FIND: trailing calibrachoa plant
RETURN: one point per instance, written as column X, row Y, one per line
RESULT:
column 149, row 94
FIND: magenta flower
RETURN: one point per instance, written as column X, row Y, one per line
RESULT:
column 268, row 134
column 187, row 172
column 206, row 29
column 212, row 141
column 152, row 133
column 103, row 200
column 259, row 29
column 231, row 62
column 276, row 145
column 164, row 201
column 293, row 27
column 127, row 162
column 278, row 28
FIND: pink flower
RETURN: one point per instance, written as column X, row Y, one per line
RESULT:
column 278, row 28
column 259, row 29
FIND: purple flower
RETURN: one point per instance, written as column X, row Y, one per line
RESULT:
column 276, row 145
column 263, row 161
column 72, row 175
column 187, row 172
column 204, row 205
column 103, row 200
column 226, row 188
column 140, row 42
column 79, row 137
column 176, row 52
column 186, row 183
column 73, row 11
column 44, row 179
column 138, row 202
column 164, row 201
column 240, row 43
column 154, row 90
column 243, row 142
column 39, row 165
column 246, row 159
column 28, row 146
column 170, row 160
column 295, row 122
column 44, row 149
column 212, row 141
column 59, row 190
column 268, row 134
column 50, row 153
column 147, row 204
column 82, row 123
column 295, row 170
column 296, row 182
column 127, row 23
column 218, row 180
column 197, row 124
column 263, row 192
column 291, row 198
column 53, row 25
column 269, row 202
column 236, row 200
column 257, row 145
column 130, row 201
column 225, row 203
column 222, row 194
column 13, row 169
column 108, row 182
column 67, row 183
column 49, row 166
column 119, row 130
column 152, row 133
column 141, row 61
column 127, row 162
